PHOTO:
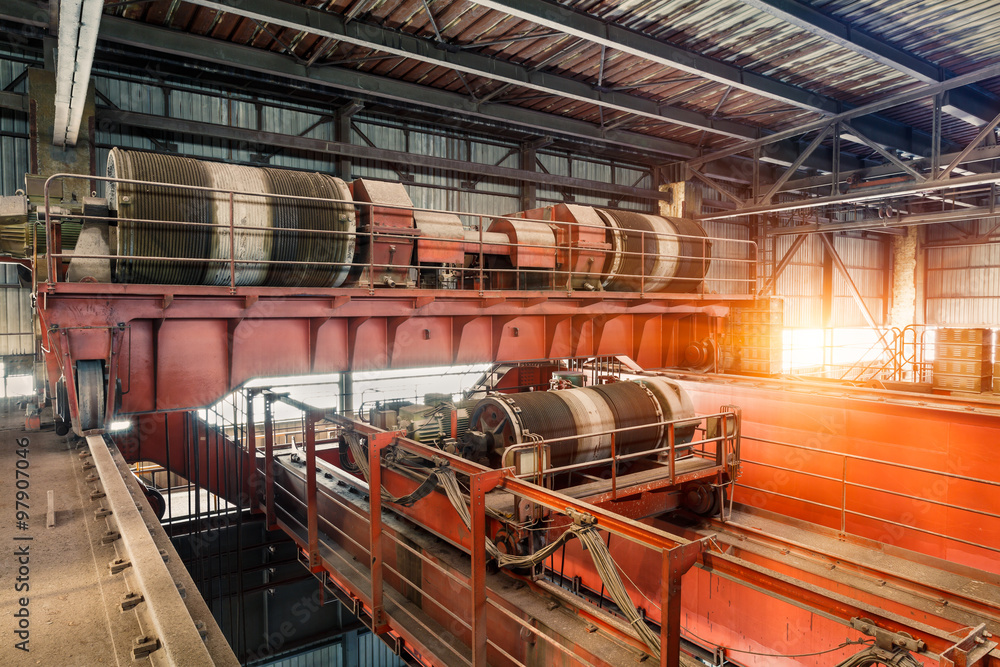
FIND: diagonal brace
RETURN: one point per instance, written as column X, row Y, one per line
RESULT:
column 888, row 155
column 813, row 145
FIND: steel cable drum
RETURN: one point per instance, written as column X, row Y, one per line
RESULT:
column 696, row 255
column 648, row 254
column 334, row 251
column 246, row 211
column 675, row 404
column 632, row 405
column 150, row 202
column 507, row 420
column 585, row 412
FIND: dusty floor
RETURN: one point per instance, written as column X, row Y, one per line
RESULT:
column 70, row 613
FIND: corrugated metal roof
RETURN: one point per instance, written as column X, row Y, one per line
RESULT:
column 960, row 35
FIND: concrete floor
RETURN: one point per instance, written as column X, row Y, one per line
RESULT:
column 72, row 598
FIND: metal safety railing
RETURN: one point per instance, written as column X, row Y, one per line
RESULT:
column 981, row 488
column 725, row 263
column 902, row 359
column 717, row 450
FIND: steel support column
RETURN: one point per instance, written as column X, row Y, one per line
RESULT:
column 479, row 485
column 376, row 443
column 312, row 519
column 270, row 522
column 676, row 562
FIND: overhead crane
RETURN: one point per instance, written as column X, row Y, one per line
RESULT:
column 198, row 277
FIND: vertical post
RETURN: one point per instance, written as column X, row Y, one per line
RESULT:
column 48, row 239
column 371, row 248
column 936, row 135
column 528, row 187
column 117, row 334
column 375, row 444
column 270, row 521
column 312, row 518
column 252, row 451
column 232, row 246
column 342, row 133
column 828, row 299
column 614, row 469
column 722, row 443
column 346, row 393
column 676, row 562
column 352, row 656
column 479, row 485
column 482, row 285
column 670, row 451
column 478, row 612
column 569, row 260
column 704, row 269
column 642, row 262
column 843, row 500
column 835, row 186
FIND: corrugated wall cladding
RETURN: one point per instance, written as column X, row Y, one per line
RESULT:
column 16, row 327
column 371, row 652
column 801, row 283
column 963, row 283
column 427, row 188
column 731, row 277
column 14, row 158
column 328, row 656
column 733, row 268
column 865, row 261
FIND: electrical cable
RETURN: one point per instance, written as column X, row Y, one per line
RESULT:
column 846, row 643
column 582, row 529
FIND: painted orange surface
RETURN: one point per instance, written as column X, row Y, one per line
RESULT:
column 917, row 477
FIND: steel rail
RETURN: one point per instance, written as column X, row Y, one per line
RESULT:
column 820, row 601
column 882, row 576
column 178, row 637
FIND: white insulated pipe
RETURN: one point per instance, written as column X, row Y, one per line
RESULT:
column 79, row 23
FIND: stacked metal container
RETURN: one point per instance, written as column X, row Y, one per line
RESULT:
column 963, row 360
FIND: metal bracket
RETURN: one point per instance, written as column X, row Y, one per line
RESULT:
column 130, row 601
column 581, row 518
column 110, row 536
column 119, row 564
column 143, row 646
column 971, row 650
column 887, row 642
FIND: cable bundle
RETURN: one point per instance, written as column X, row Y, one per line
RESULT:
column 587, row 534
